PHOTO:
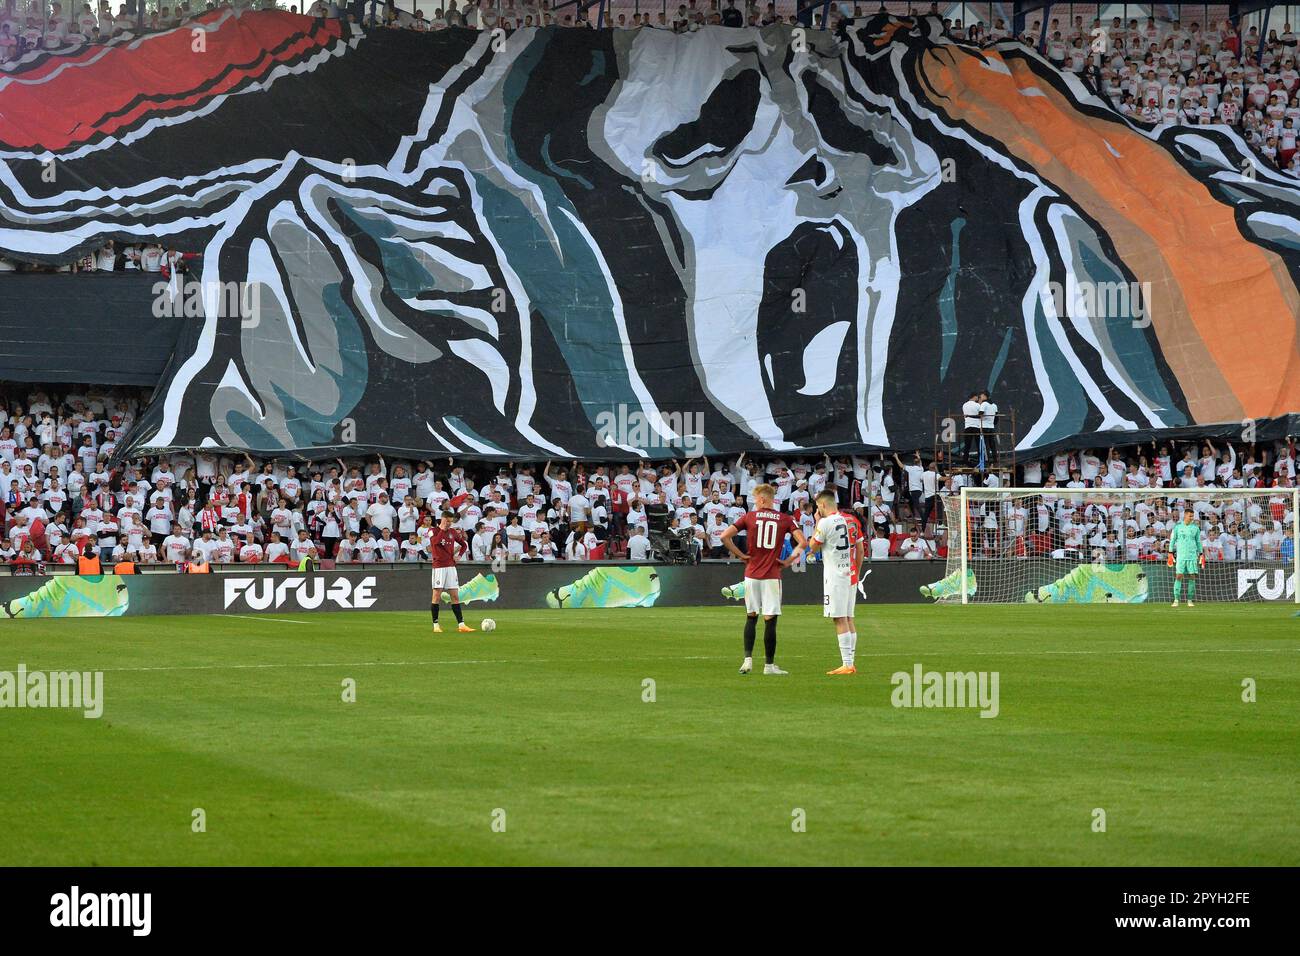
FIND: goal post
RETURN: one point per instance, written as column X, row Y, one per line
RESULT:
column 1111, row 545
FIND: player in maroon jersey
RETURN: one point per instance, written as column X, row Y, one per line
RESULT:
column 765, row 529
column 446, row 542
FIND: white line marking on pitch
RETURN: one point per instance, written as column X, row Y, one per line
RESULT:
column 242, row 667
column 651, row 660
column 259, row 617
column 1194, row 650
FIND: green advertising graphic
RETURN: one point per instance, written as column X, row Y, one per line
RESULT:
column 93, row 595
column 736, row 592
column 481, row 587
column 609, row 587
column 950, row 586
column 1095, row 584
column 562, row 585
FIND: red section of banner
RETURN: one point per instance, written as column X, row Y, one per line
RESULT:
column 66, row 101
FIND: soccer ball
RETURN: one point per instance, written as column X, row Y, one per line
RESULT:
column 488, row 624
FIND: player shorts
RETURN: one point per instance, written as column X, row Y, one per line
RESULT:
column 763, row 596
column 1190, row 565
column 838, row 599
column 444, row 579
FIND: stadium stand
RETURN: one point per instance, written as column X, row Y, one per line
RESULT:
column 64, row 496
column 80, row 469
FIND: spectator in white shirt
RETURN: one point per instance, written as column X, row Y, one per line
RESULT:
column 276, row 549
column 971, row 426
column 175, row 546
column 915, row 547
column 381, row 515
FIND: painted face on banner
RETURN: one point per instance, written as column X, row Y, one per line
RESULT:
column 784, row 190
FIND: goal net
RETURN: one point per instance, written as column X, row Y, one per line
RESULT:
column 1106, row 545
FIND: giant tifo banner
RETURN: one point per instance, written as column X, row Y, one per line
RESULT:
column 554, row 242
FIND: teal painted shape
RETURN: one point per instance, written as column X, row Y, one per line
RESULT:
column 1000, row 360
column 948, row 301
column 309, row 426
column 1060, row 381
column 402, row 270
column 559, row 170
column 1237, row 194
column 1131, row 347
column 1286, row 241
column 597, row 67
column 459, row 425
column 571, row 295
column 251, row 434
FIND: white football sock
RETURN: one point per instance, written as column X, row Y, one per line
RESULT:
column 846, row 648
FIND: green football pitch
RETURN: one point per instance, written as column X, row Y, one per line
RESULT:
column 544, row 743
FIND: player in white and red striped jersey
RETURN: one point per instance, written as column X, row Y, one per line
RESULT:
column 856, row 536
column 839, row 539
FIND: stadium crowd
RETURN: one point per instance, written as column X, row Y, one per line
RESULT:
column 24, row 26
column 1161, row 72
column 111, row 257
column 62, row 495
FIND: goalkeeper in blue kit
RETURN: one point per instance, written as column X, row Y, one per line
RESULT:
column 1186, row 555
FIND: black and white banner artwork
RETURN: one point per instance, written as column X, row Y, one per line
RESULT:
column 574, row 243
